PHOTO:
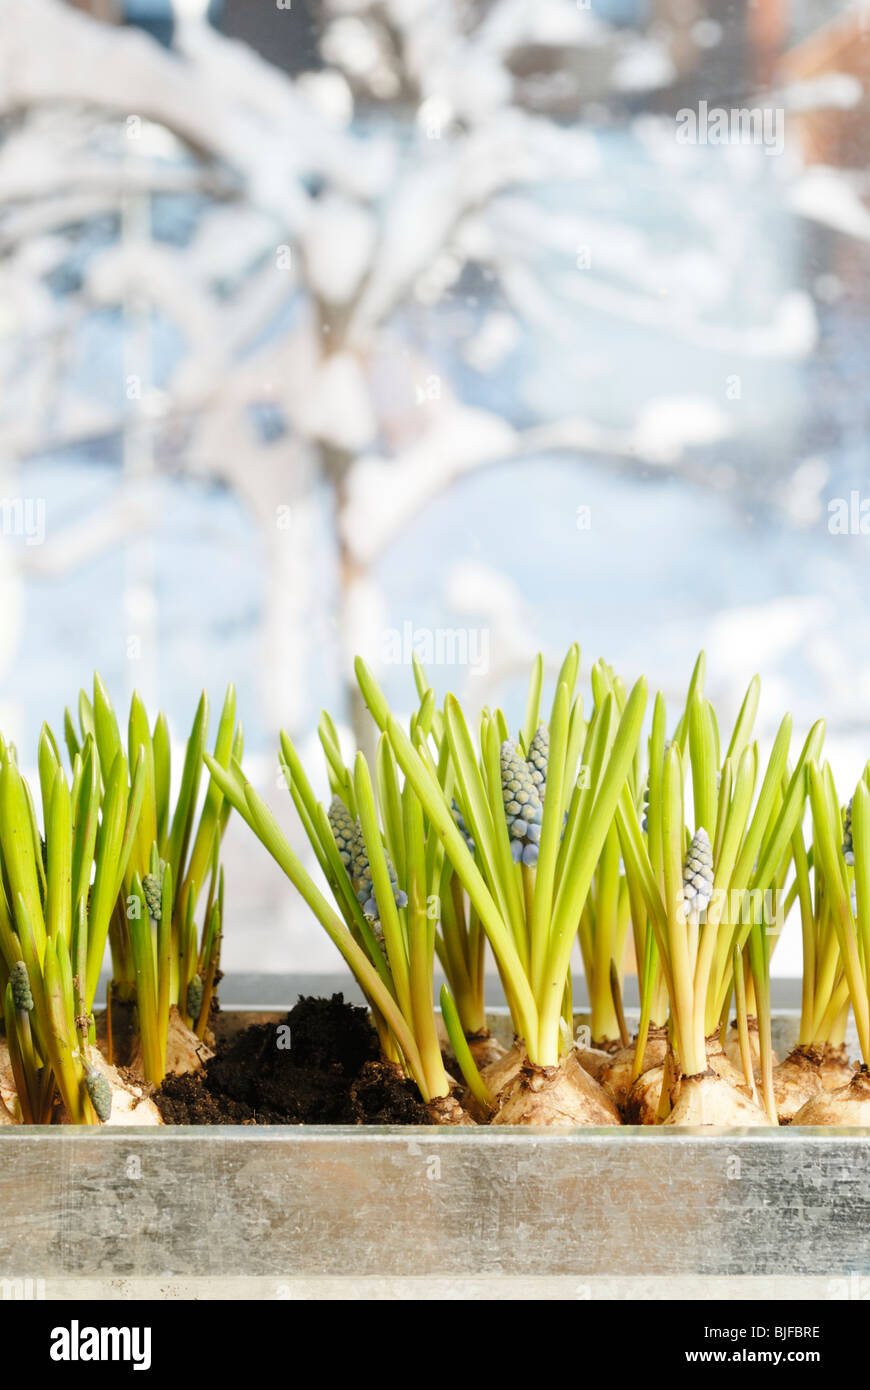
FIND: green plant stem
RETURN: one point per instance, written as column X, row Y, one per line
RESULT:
column 827, row 848
column 462, row 1052
column 139, row 926
column 693, row 1057
column 394, row 938
column 114, row 844
column 759, row 957
column 164, row 964
column 608, row 940
column 256, row 813
column 559, row 776
column 616, row 994
column 66, row 1071
column 575, row 885
column 421, row 935
column 838, row 1000
column 743, row 1023
column 518, row 990
column 211, row 958
column 808, row 936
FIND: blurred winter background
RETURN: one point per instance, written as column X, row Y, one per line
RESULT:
column 353, row 325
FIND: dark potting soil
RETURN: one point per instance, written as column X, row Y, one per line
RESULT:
column 319, row 1066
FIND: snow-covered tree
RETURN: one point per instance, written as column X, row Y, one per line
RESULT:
column 319, row 246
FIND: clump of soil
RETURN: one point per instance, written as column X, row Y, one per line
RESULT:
column 319, row 1066
column 381, row 1095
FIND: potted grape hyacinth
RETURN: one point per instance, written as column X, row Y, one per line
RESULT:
column 114, row 863
column 598, row 830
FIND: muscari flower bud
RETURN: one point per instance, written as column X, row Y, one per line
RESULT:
column 152, row 887
column 462, row 827
column 645, row 809
column 351, row 842
column 848, row 848
column 522, row 804
column 359, row 868
column 193, row 1004
column 539, row 755
column 20, row 982
column 698, row 875
column 343, row 829
column 100, row 1093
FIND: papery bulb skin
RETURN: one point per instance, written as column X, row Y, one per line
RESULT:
column 644, row 1097
column 185, row 1052
column 595, row 1060
column 719, row 1062
column 484, row 1048
column 617, row 1076
column 642, row 1103
column 732, row 1044
column 848, row 1107
column 562, row 1095
column 707, row 1101
column 498, row 1073
column 796, row 1081
column 447, row 1110
column 129, row 1100
column 836, row 1069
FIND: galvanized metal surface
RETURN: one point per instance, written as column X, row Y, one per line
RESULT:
column 448, row 1213
column 275, row 1205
